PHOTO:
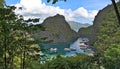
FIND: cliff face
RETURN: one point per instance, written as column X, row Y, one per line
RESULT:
column 106, row 30
column 85, row 32
column 104, row 24
column 56, row 29
column 101, row 16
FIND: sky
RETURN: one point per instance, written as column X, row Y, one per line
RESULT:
column 82, row 11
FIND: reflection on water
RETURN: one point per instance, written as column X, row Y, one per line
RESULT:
column 75, row 45
column 64, row 48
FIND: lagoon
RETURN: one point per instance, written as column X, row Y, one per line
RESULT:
column 59, row 48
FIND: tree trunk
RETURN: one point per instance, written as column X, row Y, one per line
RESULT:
column 5, row 47
column 12, row 60
column 5, row 58
column 21, row 56
column 24, row 49
column 24, row 59
column 116, row 11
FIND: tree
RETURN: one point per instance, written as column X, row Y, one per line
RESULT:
column 1, row 3
column 6, row 24
column 15, row 40
column 79, row 61
column 116, row 11
column 112, row 57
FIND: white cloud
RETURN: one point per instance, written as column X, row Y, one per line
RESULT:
column 81, row 12
column 92, row 14
column 37, row 9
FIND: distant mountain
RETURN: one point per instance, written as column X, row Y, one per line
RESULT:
column 56, row 29
column 85, row 32
column 76, row 26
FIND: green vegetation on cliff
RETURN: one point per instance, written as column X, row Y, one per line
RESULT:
column 105, row 37
column 85, row 32
column 106, row 34
column 106, row 28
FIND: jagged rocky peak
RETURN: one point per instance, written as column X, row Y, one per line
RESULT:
column 56, row 29
column 55, row 19
column 58, row 15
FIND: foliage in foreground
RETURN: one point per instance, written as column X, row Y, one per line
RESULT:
column 17, row 47
column 112, row 57
column 74, row 62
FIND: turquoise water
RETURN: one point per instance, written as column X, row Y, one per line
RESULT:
column 61, row 46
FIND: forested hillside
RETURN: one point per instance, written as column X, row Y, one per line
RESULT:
column 105, row 37
column 106, row 30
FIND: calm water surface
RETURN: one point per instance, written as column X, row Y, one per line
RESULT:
column 60, row 48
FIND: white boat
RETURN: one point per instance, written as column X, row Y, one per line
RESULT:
column 53, row 49
column 67, row 49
